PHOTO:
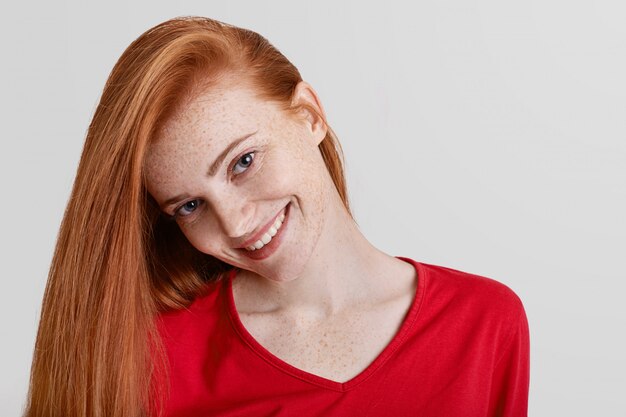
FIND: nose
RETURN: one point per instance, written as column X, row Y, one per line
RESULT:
column 234, row 214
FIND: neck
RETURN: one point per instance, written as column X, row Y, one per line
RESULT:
column 344, row 270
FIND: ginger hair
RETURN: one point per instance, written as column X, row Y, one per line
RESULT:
column 117, row 262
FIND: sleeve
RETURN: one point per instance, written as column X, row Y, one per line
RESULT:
column 511, row 375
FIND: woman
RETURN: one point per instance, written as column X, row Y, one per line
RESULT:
column 208, row 263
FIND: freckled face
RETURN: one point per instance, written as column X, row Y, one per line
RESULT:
column 229, row 167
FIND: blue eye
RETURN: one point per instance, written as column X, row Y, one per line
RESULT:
column 187, row 208
column 243, row 163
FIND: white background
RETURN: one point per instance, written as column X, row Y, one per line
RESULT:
column 487, row 136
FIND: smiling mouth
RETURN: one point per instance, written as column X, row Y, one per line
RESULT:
column 268, row 235
column 269, row 239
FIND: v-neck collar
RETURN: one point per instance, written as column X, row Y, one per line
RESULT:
column 285, row 367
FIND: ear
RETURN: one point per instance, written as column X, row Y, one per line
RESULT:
column 312, row 111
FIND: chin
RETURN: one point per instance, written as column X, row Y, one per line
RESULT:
column 283, row 270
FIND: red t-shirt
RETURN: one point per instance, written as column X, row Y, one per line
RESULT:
column 462, row 350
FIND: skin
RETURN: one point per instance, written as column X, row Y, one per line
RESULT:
column 326, row 300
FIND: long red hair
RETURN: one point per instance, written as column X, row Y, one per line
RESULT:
column 117, row 262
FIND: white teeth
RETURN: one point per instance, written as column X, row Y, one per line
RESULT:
column 267, row 237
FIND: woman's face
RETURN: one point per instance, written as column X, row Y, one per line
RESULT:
column 244, row 180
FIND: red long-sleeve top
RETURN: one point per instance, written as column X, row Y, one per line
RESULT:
column 462, row 350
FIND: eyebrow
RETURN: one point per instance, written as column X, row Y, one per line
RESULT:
column 213, row 168
column 220, row 158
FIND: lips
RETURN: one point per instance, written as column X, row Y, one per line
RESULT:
column 273, row 243
column 267, row 237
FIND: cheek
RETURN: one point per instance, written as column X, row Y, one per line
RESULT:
column 201, row 237
column 276, row 176
column 274, row 180
column 294, row 164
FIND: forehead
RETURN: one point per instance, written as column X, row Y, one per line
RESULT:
column 203, row 125
column 211, row 118
column 214, row 113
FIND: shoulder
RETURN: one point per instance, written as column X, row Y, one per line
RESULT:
column 471, row 286
column 471, row 298
column 201, row 314
column 473, row 306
